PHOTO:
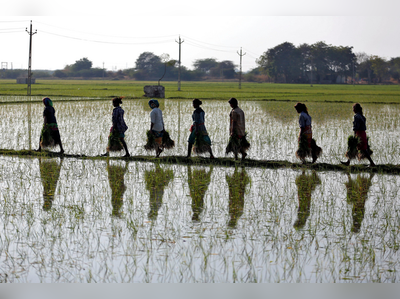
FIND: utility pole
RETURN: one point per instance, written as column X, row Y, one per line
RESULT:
column 240, row 72
column 353, row 73
column 29, row 84
column 179, row 63
column 30, row 57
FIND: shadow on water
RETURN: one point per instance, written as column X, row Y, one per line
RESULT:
column 237, row 187
column 198, row 180
column 357, row 195
column 49, row 173
column 156, row 181
column 116, row 178
column 306, row 184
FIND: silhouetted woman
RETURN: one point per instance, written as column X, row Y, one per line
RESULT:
column 237, row 131
column 116, row 139
column 157, row 137
column 307, row 145
column 199, row 136
column 50, row 136
column 357, row 145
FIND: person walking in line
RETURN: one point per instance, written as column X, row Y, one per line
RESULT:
column 307, row 145
column 237, row 131
column 357, row 145
column 50, row 136
column 199, row 136
column 157, row 137
column 116, row 139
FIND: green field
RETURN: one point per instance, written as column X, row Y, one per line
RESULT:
column 103, row 89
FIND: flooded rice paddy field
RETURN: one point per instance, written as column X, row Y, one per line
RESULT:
column 272, row 127
column 73, row 220
column 110, row 220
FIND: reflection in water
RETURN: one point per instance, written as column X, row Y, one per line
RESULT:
column 357, row 194
column 237, row 186
column 198, row 181
column 156, row 181
column 116, row 178
column 49, row 173
column 306, row 184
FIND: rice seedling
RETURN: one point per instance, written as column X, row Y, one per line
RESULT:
column 81, row 219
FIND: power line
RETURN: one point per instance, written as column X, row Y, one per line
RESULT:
column 210, row 44
column 106, row 42
column 114, row 36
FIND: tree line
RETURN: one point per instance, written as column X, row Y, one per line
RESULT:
column 322, row 63
column 284, row 63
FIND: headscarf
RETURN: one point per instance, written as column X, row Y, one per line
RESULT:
column 153, row 104
column 197, row 102
column 47, row 102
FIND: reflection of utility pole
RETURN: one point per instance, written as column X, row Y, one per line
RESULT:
column 240, row 72
column 179, row 63
column 30, row 58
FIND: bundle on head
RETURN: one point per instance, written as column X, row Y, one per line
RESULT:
column 236, row 144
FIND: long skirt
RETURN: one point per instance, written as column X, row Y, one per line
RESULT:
column 201, row 141
column 358, row 146
column 114, row 140
column 237, row 144
column 307, row 145
column 50, row 136
column 158, row 139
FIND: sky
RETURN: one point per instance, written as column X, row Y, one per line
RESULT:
column 112, row 34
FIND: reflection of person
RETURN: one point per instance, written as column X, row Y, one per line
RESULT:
column 307, row 145
column 50, row 135
column 358, row 144
column 198, row 181
column 156, row 181
column 116, row 141
column 49, row 174
column 198, row 136
column 237, row 131
column 237, row 187
column 357, row 194
column 306, row 184
column 157, row 137
column 116, row 176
